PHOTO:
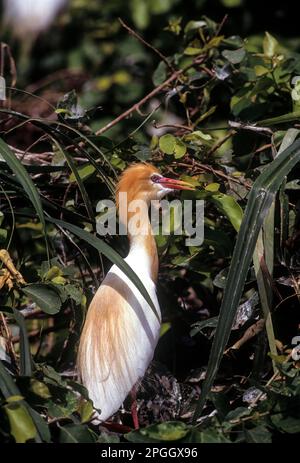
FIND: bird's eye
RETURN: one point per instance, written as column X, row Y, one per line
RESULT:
column 155, row 178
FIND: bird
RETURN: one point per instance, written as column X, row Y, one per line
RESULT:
column 121, row 330
column 30, row 17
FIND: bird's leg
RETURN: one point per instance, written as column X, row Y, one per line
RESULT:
column 133, row 407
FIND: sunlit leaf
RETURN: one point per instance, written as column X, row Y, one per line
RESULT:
column 167, row 143
column 228, row 206
column 269, row 45
column 20, row 421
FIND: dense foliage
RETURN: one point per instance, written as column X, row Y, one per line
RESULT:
column 220, row 110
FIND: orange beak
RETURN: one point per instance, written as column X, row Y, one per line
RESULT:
column 175, row 184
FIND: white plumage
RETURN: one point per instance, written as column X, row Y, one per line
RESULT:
column 31, row 16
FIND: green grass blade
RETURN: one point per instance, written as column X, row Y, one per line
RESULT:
column 264, row 289
column 86, row 140
column 19, row 170
column 25, row 180
column 80, row 184
column 110, row 253
column 263, row 257
column 51, row 128
column 289, row 117
column 25, row 354
column 260, row 199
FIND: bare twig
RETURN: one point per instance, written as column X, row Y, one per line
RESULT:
column 137, row 106
column 252, row 331
column 264, row 147
column 147, row 44
column 155, row 91
column 221, row 25
column 253, row 128
column 218, row 173
column 173, row 126
column 221, row 142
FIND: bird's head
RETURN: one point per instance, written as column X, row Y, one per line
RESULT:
column 144, row 181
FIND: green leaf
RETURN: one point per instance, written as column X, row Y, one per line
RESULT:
column 85, row 410
column 199, row 326
column 41, row 425
column 74, row 293
column 108, row 438
column 289, row 425
column 8, row 389
column 160, row 74
column 237, row 413
column 20, row 421
column 228, row 206
column 111, row 254
column 170, row 431
column 45, row 296
column 234, row 56
column 3, row 235
column 192, row 25
column 270, row 45
column 140, row 13
column 14, row 398
column 65, row 409
column 167, row 143
column 83, row 172
column 259, row 201
column 192, row 51
column 213, row 187
column 232, row 3
column 208, row 436
column 198, row 135
column 180, row 149
column 260, row 434
column 39, row 388
column 72, row 434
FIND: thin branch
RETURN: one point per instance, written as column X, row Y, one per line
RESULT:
column 221, row 25
column 253, row 128
column 252, row 331
column 136, row 106
column 155, row 91
column 173, row 126
column 221, row 142
column 218, row 173
column 143, row 41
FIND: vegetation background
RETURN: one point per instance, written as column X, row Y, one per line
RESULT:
column 207, row 90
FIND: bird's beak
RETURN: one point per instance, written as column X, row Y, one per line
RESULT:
column 174, row 184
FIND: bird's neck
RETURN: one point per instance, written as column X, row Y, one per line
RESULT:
column 143, row 247
column 141, row 239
